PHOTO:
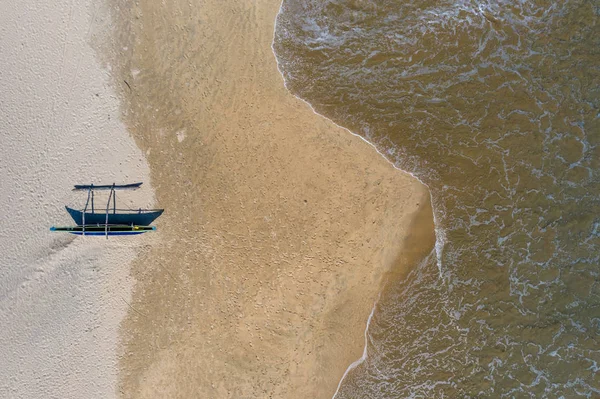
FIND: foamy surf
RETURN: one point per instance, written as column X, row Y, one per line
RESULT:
column 439, row 231
column 494, row 108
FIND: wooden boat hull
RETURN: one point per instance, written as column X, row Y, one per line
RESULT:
column 102, row 230
column 142, row 217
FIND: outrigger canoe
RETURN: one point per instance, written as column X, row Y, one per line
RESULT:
column 109, row 221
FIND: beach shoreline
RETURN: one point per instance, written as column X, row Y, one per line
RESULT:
column 281, row 228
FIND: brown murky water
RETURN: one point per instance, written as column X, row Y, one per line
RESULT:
column 494, row 105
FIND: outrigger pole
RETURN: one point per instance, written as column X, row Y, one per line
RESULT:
column 112, row 194
column 113, row 186
column 90, row 192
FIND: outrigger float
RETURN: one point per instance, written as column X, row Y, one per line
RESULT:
column 100, row 230
column 112, row 221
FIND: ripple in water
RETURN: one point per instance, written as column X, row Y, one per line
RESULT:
column 494, row 105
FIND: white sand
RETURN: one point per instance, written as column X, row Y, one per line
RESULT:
column 61, row 297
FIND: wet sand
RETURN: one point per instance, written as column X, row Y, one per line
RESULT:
column 280, row 228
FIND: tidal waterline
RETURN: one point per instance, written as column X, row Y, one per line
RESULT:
column 495, row 106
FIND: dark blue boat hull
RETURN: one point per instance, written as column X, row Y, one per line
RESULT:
column 140, row 218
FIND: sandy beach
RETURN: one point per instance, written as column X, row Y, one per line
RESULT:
column 61, row 298
column 280, row 228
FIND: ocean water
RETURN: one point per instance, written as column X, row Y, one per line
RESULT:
column 495, row 106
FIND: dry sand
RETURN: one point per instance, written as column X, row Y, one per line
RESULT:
column 61, row 297
column 280, row 227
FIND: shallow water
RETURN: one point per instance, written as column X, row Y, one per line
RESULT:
column 495, row 106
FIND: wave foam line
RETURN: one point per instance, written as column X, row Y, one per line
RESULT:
column 359, row 361
column 440, row 234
